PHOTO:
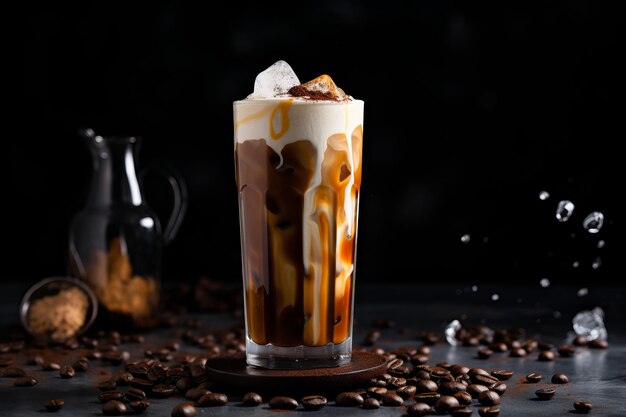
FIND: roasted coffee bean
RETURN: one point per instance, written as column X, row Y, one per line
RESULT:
column 426, row 385
column 371, row 337
column 252, row 399
column 81, row 365
column 489, row 411
column 580, row 341
column 107, row 385
column 142, row 384
column 54, row 405
column 362, row 392
column 545, row 393
column 457, row 370
column 429, row 338
column 421, row 374
column 427, row 397
column 50, row 366
column 67, row 372
column 156, row 373
column 533, row 377
column 566, row 351
column 184, row 384
column 530, row 345
column 314, row 402
column 463, row 397
column 546, row 356
column 451, row 388
column 598, row 344
column 471, row 341
column 484, row 353
column 396, row 382
column 395, row 363
column 13, row 372
column 419, row 359
column 107, row 396
column 419, row 409
column 139, row 405
column 499, row 347
column 163, row 391
column 406, row 392
column 502, row 374
column 445, row 365
column 214, row 399
column 484, row 379
column 583, row 406
column 135, row 394
column 348, row 399
column 400, row 371
column 114, row 408
column 184, row 410
column 25, row 381
column 461, row 412
column 392, row 400
column 518, row 353
column 283, row 403
column 560, row 378
column 385, row 377
column 371, row 404
column 489, row 398
column 376, row 392
column 500, row 388
column 446, row 403
column 475, row 389
column 196, row 393
column 477, row 371
column 423, row 350
column 440, row 374
column 116, row 358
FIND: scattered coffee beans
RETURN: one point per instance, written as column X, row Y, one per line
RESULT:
column 419, row 409
column 545, row 393
column 583, row 406
column 25, row 381
column 446, row 403
column 139, row 405
column 283, row 403
column 184, row 410
column 54, row 405
column 107, row 396
column 560, row 378
column 252, row 399
column 489, row 398
column 114, row 408
column 348, row 399
column 392, row 400
column 489, row 411
column 213, row 399
column 546, row 356
column 67, row 372
column 461, row 412
column 533, row 377
column 313, row 402
column 502, row 374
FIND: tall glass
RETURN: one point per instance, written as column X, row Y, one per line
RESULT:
column 298, row 173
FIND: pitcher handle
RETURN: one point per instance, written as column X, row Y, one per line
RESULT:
column 179, row 203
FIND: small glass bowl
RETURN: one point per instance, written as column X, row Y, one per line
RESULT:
column 50, row 287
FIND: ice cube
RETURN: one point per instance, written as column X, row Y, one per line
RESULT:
column 320, row 88
column 451, row 330
column 274, row 81
column 590, row 324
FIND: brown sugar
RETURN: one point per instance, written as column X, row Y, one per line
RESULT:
column 59, row 316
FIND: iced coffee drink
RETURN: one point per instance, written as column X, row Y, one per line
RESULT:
column 298, row 171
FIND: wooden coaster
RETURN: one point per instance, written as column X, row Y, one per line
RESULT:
column 232, row 372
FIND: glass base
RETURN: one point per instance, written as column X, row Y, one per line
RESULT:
column 298, row 357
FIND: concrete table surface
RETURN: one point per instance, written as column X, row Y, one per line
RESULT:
column 598, row 376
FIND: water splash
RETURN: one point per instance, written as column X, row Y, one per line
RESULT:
column 465, row 238
column 601, row 244
column 545, row 282
column 582, row 292
column 597, row 263
column 474, row 288
column 495, row 297
column 590, row 324
column 564, row 210
column 451, row 329
column 544, row 195
column 593, row 222
column 576, row 264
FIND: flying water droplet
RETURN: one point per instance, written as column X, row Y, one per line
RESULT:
column 564, row 210
column 545, row 282
column 593, row 222
column 465, row 238
column 557, row 314
column 495, row 297
column 474, row 288
column 590, row 324
column 544, row 195
column 597, row 263
column 601, row 244
column 582, row 292
column 576, row 264
column 451, row 329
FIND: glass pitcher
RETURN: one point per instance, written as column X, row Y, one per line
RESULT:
column 116, row 240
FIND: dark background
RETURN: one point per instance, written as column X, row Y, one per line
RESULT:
column 471, row 111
